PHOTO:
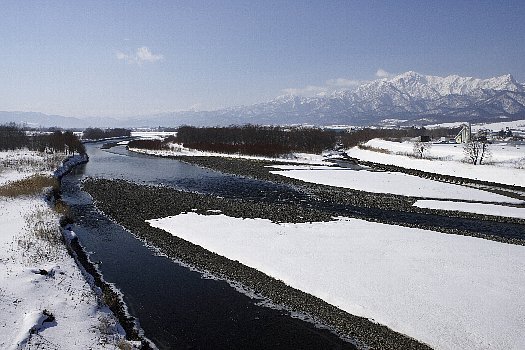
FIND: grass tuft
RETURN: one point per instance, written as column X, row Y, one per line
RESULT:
column 32, row 185
column 42, row 240
column 375, row 149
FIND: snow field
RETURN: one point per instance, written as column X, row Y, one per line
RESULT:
column 502, row 153
column 508, row 173
column 452, row 292
column 153, row 135
column 388, row 182
column 477, row 208
column 497, row 126
column 20, row 164
column 9, row 175
column 62, row 291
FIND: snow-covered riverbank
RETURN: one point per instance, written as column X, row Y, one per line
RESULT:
column 452, row 292
column 177, row 150
column 45, row 301
column 69, row 163
column 388, row 182
column 507, row 167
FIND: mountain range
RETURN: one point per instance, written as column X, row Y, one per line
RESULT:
column 406, row 99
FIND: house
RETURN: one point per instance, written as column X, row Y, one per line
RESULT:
column 465, row 134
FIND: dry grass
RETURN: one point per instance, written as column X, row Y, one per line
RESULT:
column 32, row 185
column 375, row 149
column 42, row 224
column 107, row 327
column 66, row 214
column 32, row 161
column 111, row 299
column 123, row 344
column 42, row 240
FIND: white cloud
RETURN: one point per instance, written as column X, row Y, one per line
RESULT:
column 308, row 91
column 332, row 85
column 140, row 56
column 329, row 87
column 342, row 82
column 144, row 55
column 196, row 107
column 122, row 56
column 381, row 73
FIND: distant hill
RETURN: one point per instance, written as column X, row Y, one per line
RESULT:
column 406, row 99
column 36, row 119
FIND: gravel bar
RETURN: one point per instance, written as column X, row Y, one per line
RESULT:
column 389, row 208
column 131, row 204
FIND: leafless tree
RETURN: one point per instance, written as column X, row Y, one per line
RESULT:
column 421, row 148
column 476, row 151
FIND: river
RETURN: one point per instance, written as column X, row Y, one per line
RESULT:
column 179, row 308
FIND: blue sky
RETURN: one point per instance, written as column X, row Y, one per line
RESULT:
column 111, row 58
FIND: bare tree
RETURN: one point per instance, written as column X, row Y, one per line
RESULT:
column 476, row 151
column 421, row 148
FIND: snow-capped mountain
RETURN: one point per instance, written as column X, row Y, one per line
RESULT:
column 409, row 97
column 412, row 97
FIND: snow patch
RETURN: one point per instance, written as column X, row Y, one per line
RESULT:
column 508, row 167
column 390, row 182
column 477, row 208
column 452, row 292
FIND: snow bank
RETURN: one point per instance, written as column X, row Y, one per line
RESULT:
column 33, row 287
column 504, row 174
column 477, row 208
column 452, row 292
column 70, row 163
column 33, row 323
column 389, row 182
column 178, row 150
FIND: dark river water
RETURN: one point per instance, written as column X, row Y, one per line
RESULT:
column 179, row 308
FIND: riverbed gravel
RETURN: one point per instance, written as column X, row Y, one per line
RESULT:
column 385, row 208
column 131, row 204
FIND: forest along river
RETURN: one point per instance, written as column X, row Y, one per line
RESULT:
column 178, row 307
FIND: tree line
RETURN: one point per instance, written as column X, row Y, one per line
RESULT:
column 256, row 140
column 13, row 137
column 276, row 140
column 97, row 133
